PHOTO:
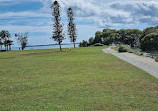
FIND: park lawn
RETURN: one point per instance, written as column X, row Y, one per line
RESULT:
column 82, row 79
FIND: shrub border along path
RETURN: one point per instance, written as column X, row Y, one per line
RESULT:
column 144, row 63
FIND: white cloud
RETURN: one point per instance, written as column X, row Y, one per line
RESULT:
column 104, row 13
column 111, row 12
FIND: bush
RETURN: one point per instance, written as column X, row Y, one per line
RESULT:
column 156, row 59
column 141, row 54
column 124, row 48
column 83, row 44
column 98, row 44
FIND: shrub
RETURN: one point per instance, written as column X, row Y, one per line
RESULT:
column 141, row 53
column 98, row 44
column 156, row 59
column 124, row 48
column 83, row 44
column 115, row 48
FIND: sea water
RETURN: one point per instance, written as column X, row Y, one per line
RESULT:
column 50, row 46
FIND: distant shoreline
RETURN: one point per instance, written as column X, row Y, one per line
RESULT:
column 51, row 44
column 47, row 46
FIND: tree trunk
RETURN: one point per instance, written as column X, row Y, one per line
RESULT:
column 60, row 47
column 10, row 47
column 7, row 47
column 74, row 45
column 1, row 47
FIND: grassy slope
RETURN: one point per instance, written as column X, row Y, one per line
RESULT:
column 80, row 79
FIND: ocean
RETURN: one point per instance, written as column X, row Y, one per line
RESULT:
column 49, row 46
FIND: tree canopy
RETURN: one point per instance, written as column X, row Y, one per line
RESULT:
column 146, row 39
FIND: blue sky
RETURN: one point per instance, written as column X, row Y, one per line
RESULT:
column 34, row 16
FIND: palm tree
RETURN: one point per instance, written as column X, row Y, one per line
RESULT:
column 5, row 35
column 1, row 44
column 9, row 43
column 5, row 45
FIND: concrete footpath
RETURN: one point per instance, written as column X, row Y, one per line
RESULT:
column 147, row 64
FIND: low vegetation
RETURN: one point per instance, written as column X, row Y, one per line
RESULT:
column 83, row 44
column 124, row 48
column 137, row 51
column 98, row 44
column 156, row 59
column 81, row 79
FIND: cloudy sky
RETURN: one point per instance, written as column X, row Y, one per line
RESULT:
column 34, row 16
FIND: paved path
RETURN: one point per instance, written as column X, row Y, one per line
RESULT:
column 147, row 64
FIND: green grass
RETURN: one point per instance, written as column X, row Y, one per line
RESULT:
column 83, row 79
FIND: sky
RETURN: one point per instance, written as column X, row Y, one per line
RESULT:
column 34, row 16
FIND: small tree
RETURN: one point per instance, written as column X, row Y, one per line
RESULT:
column 57, row 26
column 71, row 26
column 83, row 44
column 22, row 39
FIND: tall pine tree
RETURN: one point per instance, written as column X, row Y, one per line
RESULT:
column 72, row 32
column 57, row 26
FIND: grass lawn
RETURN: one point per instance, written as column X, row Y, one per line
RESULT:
column 83, row 79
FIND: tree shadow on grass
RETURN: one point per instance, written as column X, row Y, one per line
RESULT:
column 61, row 51
column 37, row 53
column 8, row 58
column 41, row 53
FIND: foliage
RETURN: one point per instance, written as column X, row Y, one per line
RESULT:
column 130, row 37
column 4, row 34
column 109, row 36
column 83, row 44
column 58, row 34
column 84, row 79
column 22, row 39
column 150, row 42
column 91, row 41
column 8, row 44
column 98, row 37
column 124, row 48
column 149, row 30
column 156, row 59
column 5, row 39
column 98, row 44
column 71, row 26
column 115, row 48
column 123, row 36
